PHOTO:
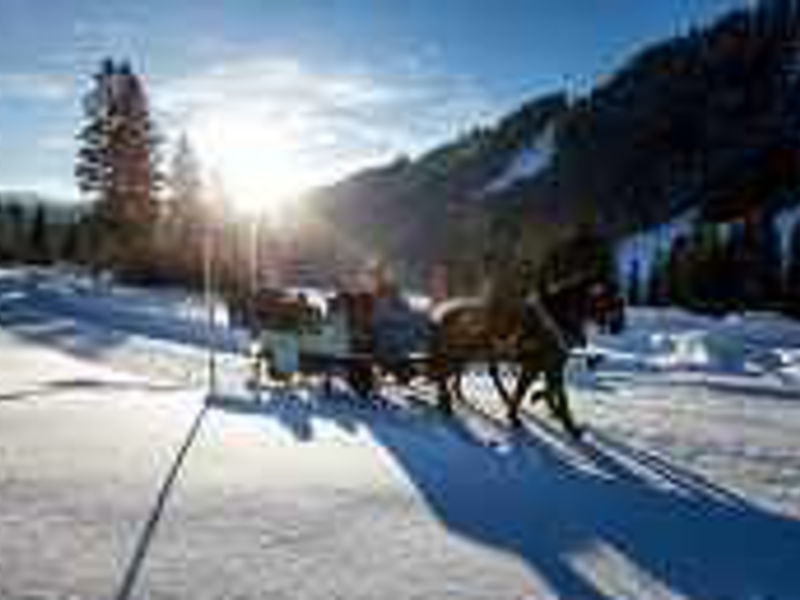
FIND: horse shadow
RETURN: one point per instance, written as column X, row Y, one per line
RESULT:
column 561, row 506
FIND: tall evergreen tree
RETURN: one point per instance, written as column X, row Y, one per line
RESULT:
column 186, row 215
column 118, row 163
column 792, row 287
column 657, row 279
column 633, row 284
column 185, row 182
column 17, row 234
column 5, row 249
column 69, row 249
column 758, row 262
column 39, row 245
column 704, row 268
column 678, row 272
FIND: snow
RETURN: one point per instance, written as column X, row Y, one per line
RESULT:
column 119, row 481
column 164, row 333
column 526, row 163
column 673, row 340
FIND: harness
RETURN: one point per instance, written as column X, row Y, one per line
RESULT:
column 534, row 300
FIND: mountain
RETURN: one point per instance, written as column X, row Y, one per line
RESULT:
column 709, row 120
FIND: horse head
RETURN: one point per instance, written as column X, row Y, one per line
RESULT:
column 607, row 307
column 577, row 283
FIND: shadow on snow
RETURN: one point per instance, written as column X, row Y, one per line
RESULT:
column 89, row 325
column 551, row 501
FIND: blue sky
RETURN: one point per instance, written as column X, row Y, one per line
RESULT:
column 278, row 95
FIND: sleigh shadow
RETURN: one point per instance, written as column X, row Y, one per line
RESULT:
column 559, row 505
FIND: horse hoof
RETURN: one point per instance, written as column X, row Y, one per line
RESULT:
column 576, row 432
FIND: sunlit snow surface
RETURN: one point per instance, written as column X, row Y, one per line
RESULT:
column 117, row 481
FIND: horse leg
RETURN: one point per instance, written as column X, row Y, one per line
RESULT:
column 526, row 379
column 494, row 373
column 558, row 401
column 457, row 385
column 444, row 395
column 256, row 370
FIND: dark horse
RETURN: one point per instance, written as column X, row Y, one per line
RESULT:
column 532, row 322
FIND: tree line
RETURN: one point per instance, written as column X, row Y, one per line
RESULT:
column 716, row 268
column 149, row 209
column 33, row 231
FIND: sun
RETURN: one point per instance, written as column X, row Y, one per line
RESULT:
column 260, row 167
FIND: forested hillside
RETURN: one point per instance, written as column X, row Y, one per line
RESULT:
column 709, row 119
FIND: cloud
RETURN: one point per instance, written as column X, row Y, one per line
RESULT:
column 35, row 86
column 57, row 143
column 283, row 125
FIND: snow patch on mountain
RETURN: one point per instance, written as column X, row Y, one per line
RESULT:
column 526, row 163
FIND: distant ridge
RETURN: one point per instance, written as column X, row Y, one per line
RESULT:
column 707, row 120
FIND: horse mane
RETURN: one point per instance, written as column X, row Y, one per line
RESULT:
column 576, row 262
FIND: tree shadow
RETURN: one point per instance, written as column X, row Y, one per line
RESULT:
column 26, row 315
column 58, row 386
column 90, row 326
column 556, row 504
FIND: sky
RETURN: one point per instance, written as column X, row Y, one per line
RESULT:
column 281, row 95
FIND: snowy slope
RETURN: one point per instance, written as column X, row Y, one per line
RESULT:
column 117, row 482
column 526, row 163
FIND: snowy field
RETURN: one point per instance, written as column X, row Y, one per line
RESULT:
column 118, row 480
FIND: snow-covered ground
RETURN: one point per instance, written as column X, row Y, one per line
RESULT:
column 117, row 480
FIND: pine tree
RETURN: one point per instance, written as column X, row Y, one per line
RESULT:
column 792, row 288
column 38, row 245
column 118, row 164
column 770, row 267
column 5, row 250
column 633, row 284
column 756, row 255
column 702, row 269
column 677, row 273
column 710, row 273
column 69, row 250
column 16, row 221
column 657, row 280
column 186, row 215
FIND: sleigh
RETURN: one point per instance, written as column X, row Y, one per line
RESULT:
column 347, row 339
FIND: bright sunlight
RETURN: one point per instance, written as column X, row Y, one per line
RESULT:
column 260, row 166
